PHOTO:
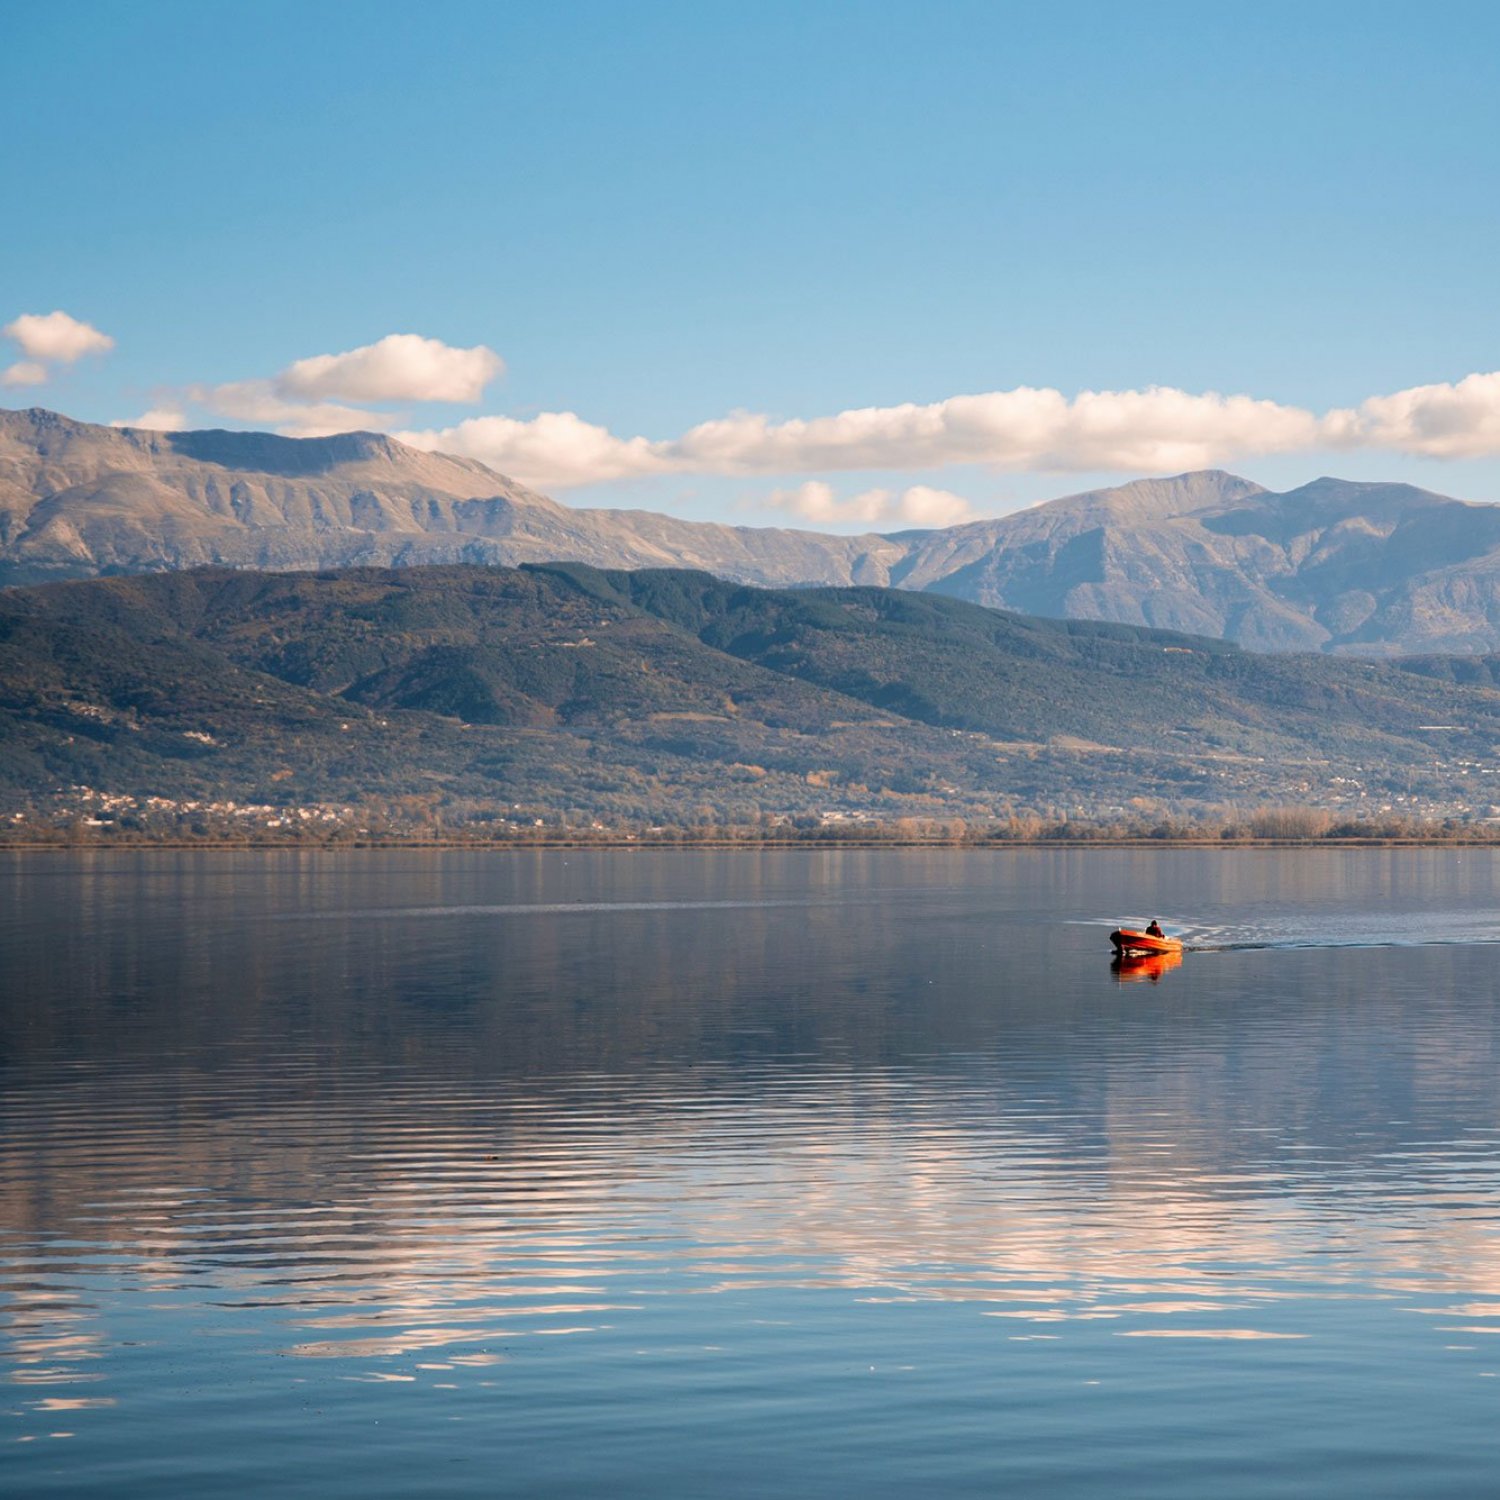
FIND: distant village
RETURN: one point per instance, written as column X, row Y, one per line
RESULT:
column 82, row 815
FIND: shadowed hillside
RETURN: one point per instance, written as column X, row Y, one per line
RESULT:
column 670, row 694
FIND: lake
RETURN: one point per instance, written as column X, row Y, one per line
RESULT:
column 683, row 1174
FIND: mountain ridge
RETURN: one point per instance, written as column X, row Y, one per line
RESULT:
column 1347, row 567
column 78, row 500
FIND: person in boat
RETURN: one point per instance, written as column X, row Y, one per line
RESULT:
column 1153, row 928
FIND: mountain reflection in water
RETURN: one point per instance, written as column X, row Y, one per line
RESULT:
column 722, row 1172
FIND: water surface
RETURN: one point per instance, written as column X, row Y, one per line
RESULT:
column 745, row 1173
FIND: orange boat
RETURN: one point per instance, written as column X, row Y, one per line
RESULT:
column 1128, row 940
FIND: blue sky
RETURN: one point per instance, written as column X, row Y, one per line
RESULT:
column 660, row 215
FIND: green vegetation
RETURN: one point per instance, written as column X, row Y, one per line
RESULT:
column 471, row 700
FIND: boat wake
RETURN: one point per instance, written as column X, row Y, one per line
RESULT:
column 1423, row 929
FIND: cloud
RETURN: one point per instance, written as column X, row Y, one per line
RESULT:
column 56, row 337
column 1158, row 430
column 556, row 449
column 157, row 419
column 919, row 505
column 308, row 398
column 24, row 372
column 1437, row 421
column 50, row 338
column 1155, row 429
column 399, row 367
column 924, row 506
column 258, row 402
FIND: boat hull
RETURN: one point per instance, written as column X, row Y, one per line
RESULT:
column 1127, row 940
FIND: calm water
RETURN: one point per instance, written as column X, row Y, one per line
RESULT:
column 639, row 1174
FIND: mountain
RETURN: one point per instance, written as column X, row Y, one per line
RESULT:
column 1333, row 566
column 78, row 500
column 675, row 696
column 1371, row 569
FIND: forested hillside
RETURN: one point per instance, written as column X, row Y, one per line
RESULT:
column 671, row 696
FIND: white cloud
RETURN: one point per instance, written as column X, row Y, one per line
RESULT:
column 923, row 506
column 1437, row 421
column 556, row 449
column 399, row 367
column 157, row 419
column 257, row 402
column 24, row 372
column 1158, row 429
column 1152, row 431
column 308, row 398
column 816, row 501
column 56, row 337
column 918, row 506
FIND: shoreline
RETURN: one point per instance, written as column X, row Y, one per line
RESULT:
column 490, row 846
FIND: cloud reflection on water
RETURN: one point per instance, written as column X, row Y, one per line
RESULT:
column 390, row 1227
column 412, row 1153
